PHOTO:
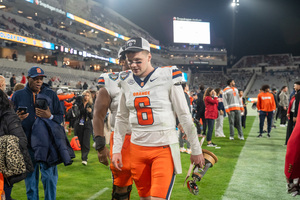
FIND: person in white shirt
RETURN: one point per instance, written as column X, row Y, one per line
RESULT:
column 150, row 97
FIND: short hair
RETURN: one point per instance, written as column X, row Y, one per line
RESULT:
column 283, row 87
column 217, row 90
column 201, row 87
column 297, row 83
column 240, row 90
column 229, row 81
column 265, row 87
column 274, row 89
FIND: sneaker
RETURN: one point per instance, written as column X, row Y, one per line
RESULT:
column 241, row 138
column 220, row 136
column 211, row 145
column 231, row 138
column 188, row 151
column 94, row 145
column 182, row 150
column 282, row 125
column 291, row 188
column 84, row 163
column 259, row 136
column 268, row 135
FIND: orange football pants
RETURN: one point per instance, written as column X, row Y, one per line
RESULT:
column 122, row 178
column 152, row 169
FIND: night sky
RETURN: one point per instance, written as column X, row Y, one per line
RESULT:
column 259, row 26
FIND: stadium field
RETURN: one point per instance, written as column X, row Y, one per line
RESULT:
column 250, row 169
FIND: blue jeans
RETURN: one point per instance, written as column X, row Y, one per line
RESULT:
column 262, row 116
column 210, row 125
column 7, row 190
column 49, row 180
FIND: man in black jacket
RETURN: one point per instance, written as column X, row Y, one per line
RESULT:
column 201, row 109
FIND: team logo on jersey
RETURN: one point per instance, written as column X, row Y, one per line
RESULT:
column 151, row 80
column 113, row 76
column 131, row 82
column 124, row 75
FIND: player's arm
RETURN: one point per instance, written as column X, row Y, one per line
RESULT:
column 258, row 106
column 185, row 119
column 121, row 127
column 101, row 106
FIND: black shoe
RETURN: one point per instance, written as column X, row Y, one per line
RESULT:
column 259, row 136
column 268, row 135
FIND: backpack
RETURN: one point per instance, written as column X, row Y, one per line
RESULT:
column 75, row 144
column 73, row 112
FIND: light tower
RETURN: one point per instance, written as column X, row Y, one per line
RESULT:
column 235, row 7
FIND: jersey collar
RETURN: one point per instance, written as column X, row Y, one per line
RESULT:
column 143, row 83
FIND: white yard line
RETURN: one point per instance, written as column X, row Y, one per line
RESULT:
column 98, row 194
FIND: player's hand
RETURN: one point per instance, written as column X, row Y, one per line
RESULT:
column 294, row 119
column 21, row 115
column 221, row 112
column 43, row 113
column 117, row 161
column 89, row 110
column 103, row 156
column 198, row 160
column 228, row 113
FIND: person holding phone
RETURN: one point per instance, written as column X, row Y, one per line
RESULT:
column 27, row 98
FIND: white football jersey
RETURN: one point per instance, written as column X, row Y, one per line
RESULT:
column 110, row 81
column 148, row 100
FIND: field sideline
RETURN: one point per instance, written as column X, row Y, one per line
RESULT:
column 78, row 182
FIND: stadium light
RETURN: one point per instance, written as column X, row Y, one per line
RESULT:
column 235, row 3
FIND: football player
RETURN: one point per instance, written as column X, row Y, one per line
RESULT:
column 150, row 97
column 108, row 98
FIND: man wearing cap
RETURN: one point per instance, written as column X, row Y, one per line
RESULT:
column 108, row 98
column 26, row 98
column 149, row 99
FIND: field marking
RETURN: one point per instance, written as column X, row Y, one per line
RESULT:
column 98, row 194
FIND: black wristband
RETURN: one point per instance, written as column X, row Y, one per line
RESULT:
column 100, row 142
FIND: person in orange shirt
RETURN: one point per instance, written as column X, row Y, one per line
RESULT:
column 266, row 107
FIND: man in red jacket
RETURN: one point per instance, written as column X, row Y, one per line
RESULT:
column 266, row 107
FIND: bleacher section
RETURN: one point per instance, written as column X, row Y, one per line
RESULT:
column 64, row 76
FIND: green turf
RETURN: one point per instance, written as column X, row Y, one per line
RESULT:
column 77, row 182
column 259, row 171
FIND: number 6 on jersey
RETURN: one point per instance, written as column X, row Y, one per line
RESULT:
column 144, row 114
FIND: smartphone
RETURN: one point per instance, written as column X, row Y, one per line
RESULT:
column 22, row 108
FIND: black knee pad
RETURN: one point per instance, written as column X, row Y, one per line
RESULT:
column 121, row 196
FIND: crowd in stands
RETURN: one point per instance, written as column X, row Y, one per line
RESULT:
column 270, row 60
